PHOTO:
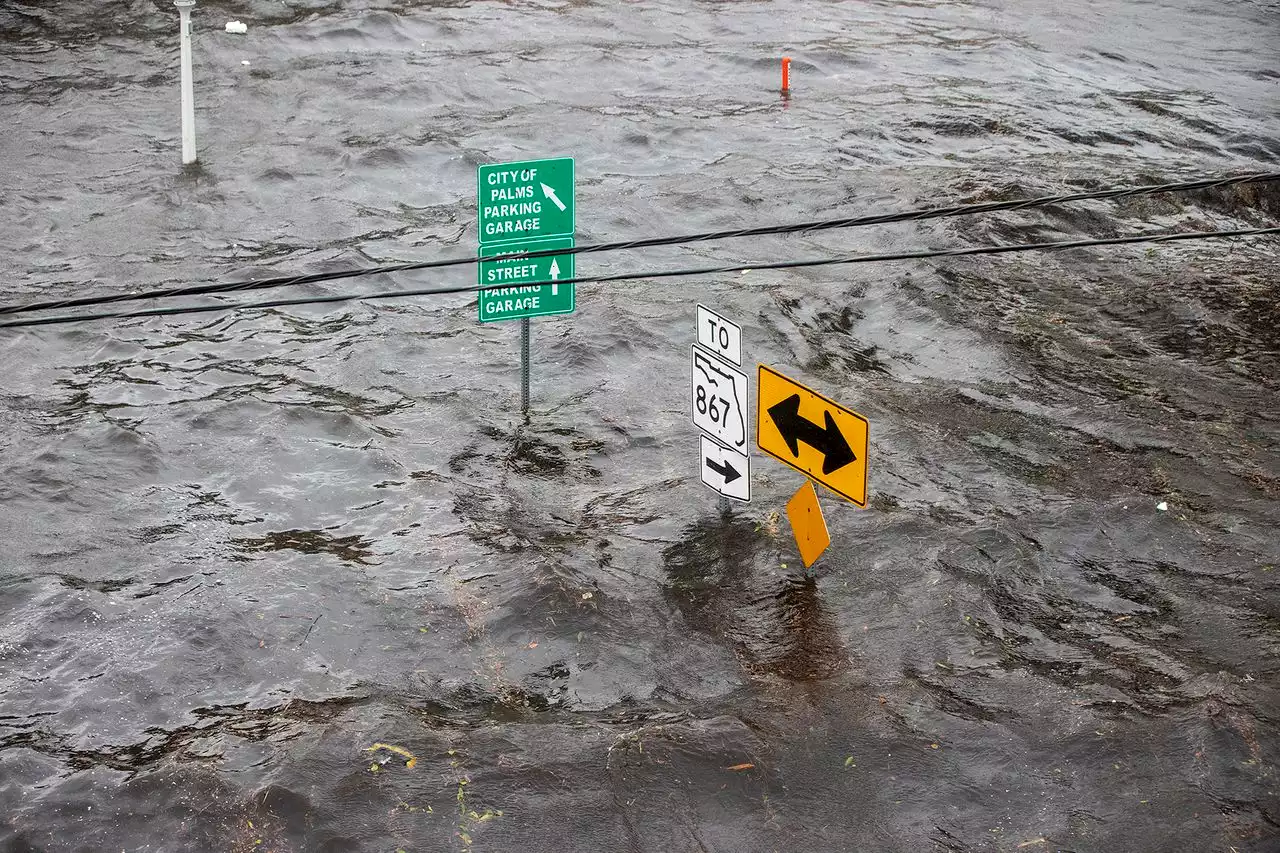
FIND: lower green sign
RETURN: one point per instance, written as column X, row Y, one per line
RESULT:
column 507, row 297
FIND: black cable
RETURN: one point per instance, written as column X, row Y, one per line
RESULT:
column 777, row 265
column 816, row 225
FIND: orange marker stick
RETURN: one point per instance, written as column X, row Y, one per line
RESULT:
column 786, row 74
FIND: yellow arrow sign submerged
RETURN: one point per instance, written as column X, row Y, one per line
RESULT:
column 813, row 434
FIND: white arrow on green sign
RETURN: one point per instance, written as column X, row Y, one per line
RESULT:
column 526, row 200
column 508, row 298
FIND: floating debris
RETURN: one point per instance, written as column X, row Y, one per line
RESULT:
column 410, row 758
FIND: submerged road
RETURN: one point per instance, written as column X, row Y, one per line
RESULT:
column 303, row 580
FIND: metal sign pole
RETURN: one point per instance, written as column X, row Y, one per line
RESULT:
column 188, row 95
column 524, row 367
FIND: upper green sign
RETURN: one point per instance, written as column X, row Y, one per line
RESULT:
column 526, row 200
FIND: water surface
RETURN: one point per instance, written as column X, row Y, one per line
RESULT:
column 241, row 549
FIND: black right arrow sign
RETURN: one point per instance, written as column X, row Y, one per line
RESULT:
column 726, row 471
column 827, row 440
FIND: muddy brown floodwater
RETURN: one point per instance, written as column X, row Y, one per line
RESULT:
column 246, row 553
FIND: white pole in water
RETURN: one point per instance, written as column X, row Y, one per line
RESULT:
column 188, row 91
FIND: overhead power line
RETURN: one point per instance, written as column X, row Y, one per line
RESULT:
column 776, row 265
column 760, row 231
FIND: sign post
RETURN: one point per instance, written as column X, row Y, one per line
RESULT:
column 525, row 206
column 525, row 334
column 188, row 88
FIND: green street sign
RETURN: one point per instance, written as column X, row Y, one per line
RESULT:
column 512, row 300
column 525, row 200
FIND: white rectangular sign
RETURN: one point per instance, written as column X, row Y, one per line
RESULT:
column 719, row 335
column 719, row 404
column 726, row 471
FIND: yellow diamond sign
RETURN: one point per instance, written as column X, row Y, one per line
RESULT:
column 812, row 434
column 805, row 514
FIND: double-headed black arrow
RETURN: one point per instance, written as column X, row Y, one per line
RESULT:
column 726, row 470
column 828, row 441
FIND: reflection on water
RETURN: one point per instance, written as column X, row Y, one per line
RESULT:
column 775, row 623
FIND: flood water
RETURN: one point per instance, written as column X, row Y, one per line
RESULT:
column 241, row 549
